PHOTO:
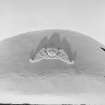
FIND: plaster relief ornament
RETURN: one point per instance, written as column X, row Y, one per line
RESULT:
column 52, row 50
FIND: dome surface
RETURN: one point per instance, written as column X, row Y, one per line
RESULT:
column 54, row 77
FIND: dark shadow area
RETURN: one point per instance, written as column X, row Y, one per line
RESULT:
column 102, row 48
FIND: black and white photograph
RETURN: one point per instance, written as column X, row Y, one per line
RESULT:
column 52, row 52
